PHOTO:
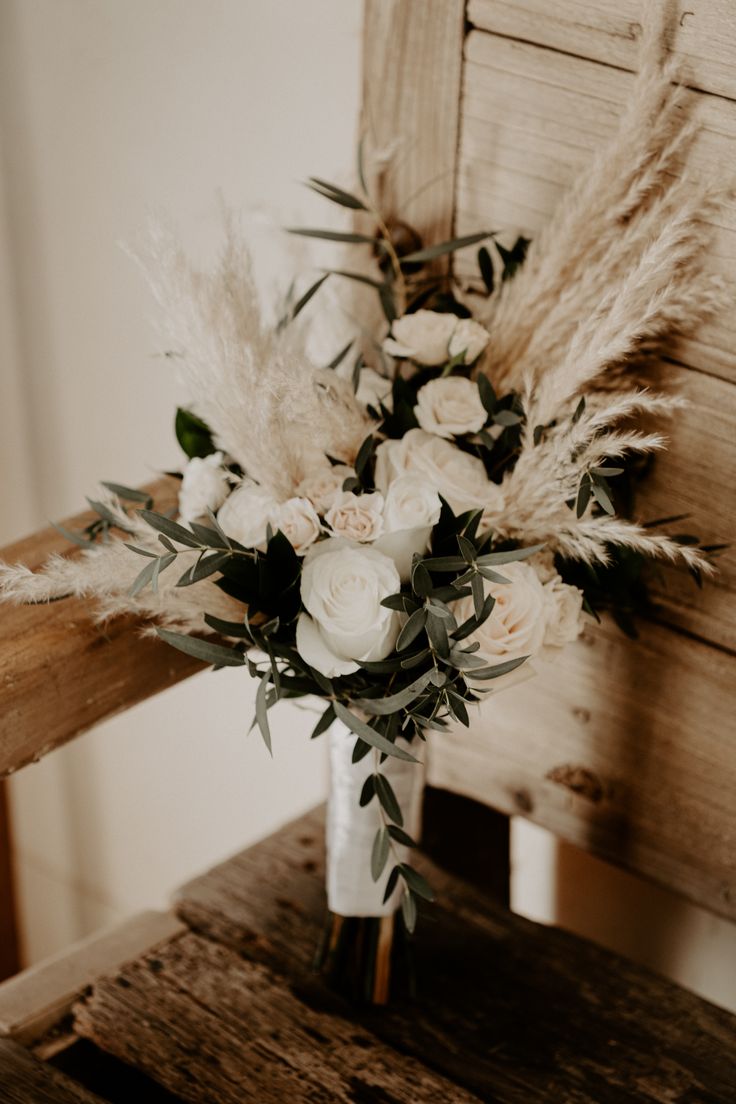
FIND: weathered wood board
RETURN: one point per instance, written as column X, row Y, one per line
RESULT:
column 60, row 671
column 531, row 119
column 624, row 748
column 702, row 35
column 25, row 1080
column 507, row 1009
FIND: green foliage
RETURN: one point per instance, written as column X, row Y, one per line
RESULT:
column 192, row 434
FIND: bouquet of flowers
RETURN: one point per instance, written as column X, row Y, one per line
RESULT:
column 403, row 532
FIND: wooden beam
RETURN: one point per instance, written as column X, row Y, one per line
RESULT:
column 25, row 1080
column 62, row 672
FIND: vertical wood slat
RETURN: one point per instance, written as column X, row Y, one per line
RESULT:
column 412, row 80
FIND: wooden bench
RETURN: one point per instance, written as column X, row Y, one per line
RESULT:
column 626, row 750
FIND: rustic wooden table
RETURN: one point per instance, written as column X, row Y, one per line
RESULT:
column 227, row 1008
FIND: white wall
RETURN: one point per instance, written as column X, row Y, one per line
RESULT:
column 111, row 109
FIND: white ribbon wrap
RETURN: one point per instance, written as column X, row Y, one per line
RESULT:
column 351, row 829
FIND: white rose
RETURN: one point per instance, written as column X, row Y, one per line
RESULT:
column 374, row 389
column 356, row 517
column 412, row 510
column 517, row 625
column 564, row 613
column 298, row 521
column 450, row 407
column 247, row 513
column 460, row 478
column 342, row 587
column 204, row 487
column 468, row 337
column 322, row 486
column 423, row 336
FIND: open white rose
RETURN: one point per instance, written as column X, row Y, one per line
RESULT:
column 247, row 513
column 356, row 517
column 298, row 521
column 468, row 337
column 412, row 510
column 460, row 478
column 342, row 587
column 204, row 487
column 564, row 610
column 518, row 622
column 424, row 336
column 322, row 486
column 450, row 407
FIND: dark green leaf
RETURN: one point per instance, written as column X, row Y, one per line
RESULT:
column 339, row 357
column 324, row 722
column 334, row 235
column 237, row 629
column 400, row 836
column 308, row 294
column 337, row 195
column 445, row 563
column 262, row 711
column 193, row 434
column 368, row 792
column 443, row 248
column 486, row 673
column 411, row 629
column 369, row 735
column 476, row 584
column 583, row 498
column 409, row 911
column 170, row 528
column 421, row 580
column 506, row 418
column 77, row 538
column 379, row 853
column 510, row 555
column 387, row 797
column 391, row 884
column 217, row 654
column 107, row 515
column 514, row 257
column 361, row 279
column 579, row 409
column 487, row 394
column 485, row 264
column 416, row 882
column 382, row 707
column 130, row 494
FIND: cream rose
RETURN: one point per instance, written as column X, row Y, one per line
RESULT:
column 450, row 406
column 518, row 623
column 322, row 486
column 412, row 510
column 356, row 517
column 247, row 513
column 460, row 478
column 564, row 613
column 204, row 487
column 470, row 338
column 424, row 336
column 431, row 337
column 298, row 521
column 342, row 587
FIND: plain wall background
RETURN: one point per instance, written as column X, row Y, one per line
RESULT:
column 111, row 110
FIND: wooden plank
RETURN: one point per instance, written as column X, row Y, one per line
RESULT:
column 531, row 118
column 36, row 1000
column 624, row 748
column 702, row 35
column 8, row 922
column 61, row 672
column 508, row 1009
column 209, row 1025
column 412, row 62
column 25, row 1080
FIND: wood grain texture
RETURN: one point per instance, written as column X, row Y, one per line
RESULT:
column 702, row 35
column 531, row 119
column 36, row 1000
column 412, row 61
column 624, row 748
column 60, row 671
column 25, row 1080
column 210, row 1025
column 510, row 1010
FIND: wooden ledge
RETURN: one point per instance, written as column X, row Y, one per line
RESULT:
column 61, row 672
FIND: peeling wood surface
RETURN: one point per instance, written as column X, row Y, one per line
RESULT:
column 25, row 1080
column 625, row 748
column 61, row 672
column 702, row 35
